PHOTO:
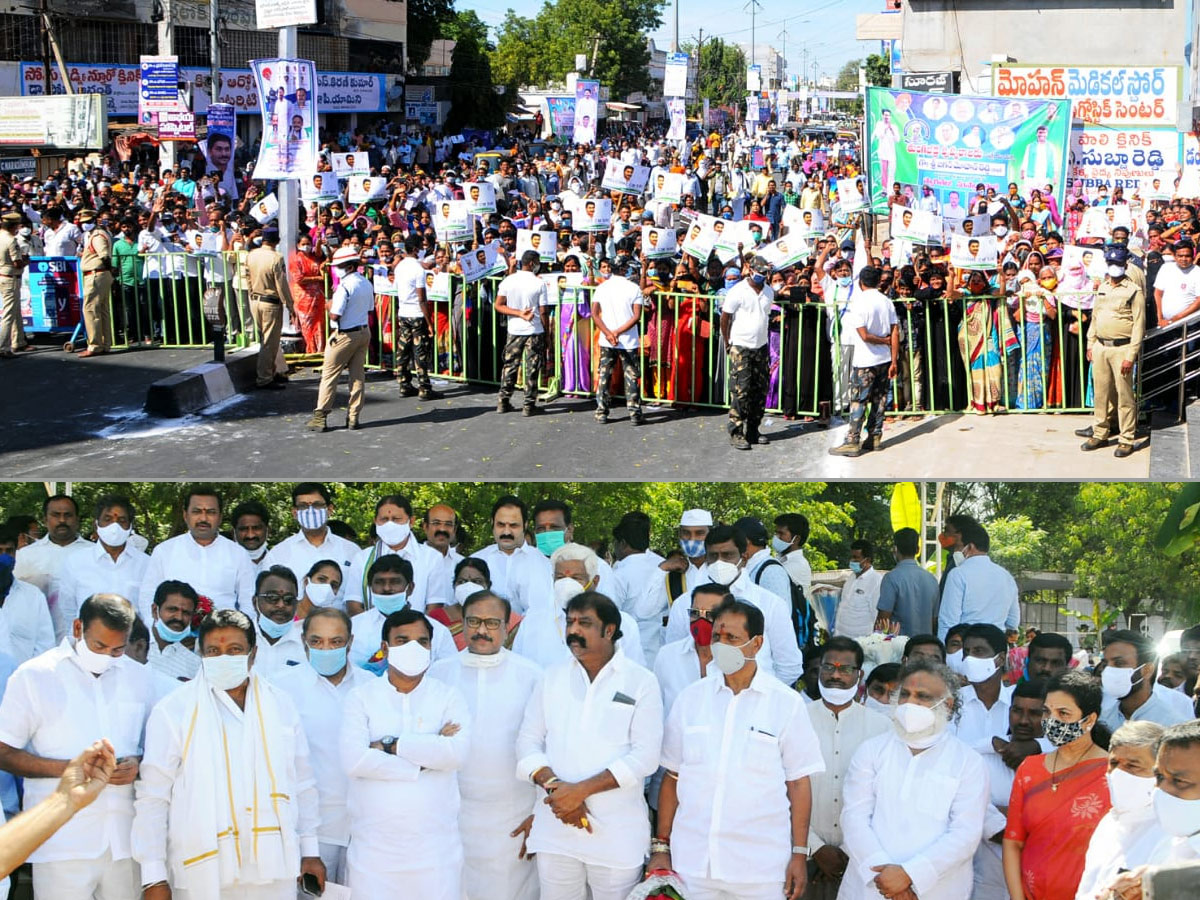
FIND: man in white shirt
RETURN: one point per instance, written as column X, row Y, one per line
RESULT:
column 393, row 536
column 616, row 311
column 251, row 522
column 214, row 565
column 278, row 637
column 687, row 660
column 60, row 237
column 1128, row 680
column 43, row 562
column 841, row 726
column 171, row 650
column 77, row 693
column 978, row 590
column 441, row 533
column 389, row 589
column 319, row 690
column 521, row 298
column 745, row 316
column 26, row 629
column 858, row 604
column 791, row 534
column 734, row 807
column 1177, row 285
column 874, row 333
column 404, row 738
column 311, row 506
column 520, row 572
column 914, row 798
column 681, row 574
column 227, row 807
column 112, row 565
column 497, row 809
column 638, row 580
column 414, row 324
column 591, row 734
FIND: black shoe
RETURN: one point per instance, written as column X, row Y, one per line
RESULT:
column 280, row 379
column 1123, row 450
column 871, row 443
column 1094, row 443
column 601, row 417
column 428, row 393
column 739, row 442
column 637, row 420
column 407, row 390
column 1084, row 432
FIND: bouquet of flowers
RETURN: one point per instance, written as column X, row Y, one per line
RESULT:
column 660, row 884
column 203, row 607
column 880, row 648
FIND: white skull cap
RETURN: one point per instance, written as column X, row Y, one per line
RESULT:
column 696, row 517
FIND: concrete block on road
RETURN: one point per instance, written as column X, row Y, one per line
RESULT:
column 202, row 385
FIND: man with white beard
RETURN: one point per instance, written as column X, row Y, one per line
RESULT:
column 497, row 809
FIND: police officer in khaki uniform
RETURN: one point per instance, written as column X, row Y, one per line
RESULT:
column 95, row 261
column 1114, row 339
column 349, row 338
column 12, row 261
column 269, row 294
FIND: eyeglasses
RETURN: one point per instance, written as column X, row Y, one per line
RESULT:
column 277, row 598
column 834, row 668
column 490, row 624
column 697, row 614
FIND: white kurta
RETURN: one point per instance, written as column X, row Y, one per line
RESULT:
column 542, row 637
column 923, row 812
column 427, row 567
column 409, row 800
column 367, row 629
column 26, row 628
column 273, row 660
column 494, row 800
column 858, row 606
column 93, row 571
column 42, row 564
column 299, row 554
column 580, row 728
column 639, row 593
column 220, row 571
column 1116, row 845
column 519, row 577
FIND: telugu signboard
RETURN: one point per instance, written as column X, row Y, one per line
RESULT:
column 76, row 122
column 285, row 13
column 1117, row 96
column 176, row 126
column 159, row 84
column 930, row 82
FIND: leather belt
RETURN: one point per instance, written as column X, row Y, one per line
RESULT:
column 259, row 298
column 351, row 330
column 1113, row 342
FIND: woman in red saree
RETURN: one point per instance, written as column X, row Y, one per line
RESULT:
column 1058, row 798
column 306, row 277
column 691, row 337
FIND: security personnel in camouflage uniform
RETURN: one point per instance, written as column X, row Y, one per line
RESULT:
column 95, row 262
column 745, row 315
column 1114, row 339
column 12, row 261
column 521, row 297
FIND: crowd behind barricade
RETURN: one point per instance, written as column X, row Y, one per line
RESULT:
column 533, row 718
column 718, row 216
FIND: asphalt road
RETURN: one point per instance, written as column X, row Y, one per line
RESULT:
column 82, row 419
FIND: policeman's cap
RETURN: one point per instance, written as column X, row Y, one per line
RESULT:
column 1116, row 255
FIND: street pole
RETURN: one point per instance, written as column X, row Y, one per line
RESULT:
column 214, row 51
column 675, row 43
column 166, row 47
column 754, row 5
column 287, row 189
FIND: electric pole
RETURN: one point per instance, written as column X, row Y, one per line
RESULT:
column 288, row 188
column 783, row 35
column 699, row 59
column 214, row 51
column 675, row 43
column 753, row 6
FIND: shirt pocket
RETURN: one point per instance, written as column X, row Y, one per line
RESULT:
column 127, row 728
column 618, row 724
column 762, row 752
column 695, row 744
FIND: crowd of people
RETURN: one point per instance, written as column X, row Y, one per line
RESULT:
column 747, row 322
column 281, row 703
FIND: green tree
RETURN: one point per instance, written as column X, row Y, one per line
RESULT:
column 426, row 19
column 1017, row 545
column 847, row 76
column 542, row 49
column 722, row 72
column 474, row 101
column 879, row 70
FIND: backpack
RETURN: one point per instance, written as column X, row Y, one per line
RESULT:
column 802, row 615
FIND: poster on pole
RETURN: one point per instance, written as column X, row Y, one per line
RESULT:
column 675, row 75
column 367, row 190
column 452, row 221
column 658, row 243
column 593, row 214
column 677, row 109
column 752, row 114
column 158, row 87
column 289, row 112
column 754, row 78
column 481, row 262
column 320, row 187
column 669, row 186
column 562, row 115
column 587, row 105
column 481, row 197
column 920, row 226
column 346, row 165
column 218, row 147
column 284, row 13
column 971, row 252
column 952, row 143
column 544, row 243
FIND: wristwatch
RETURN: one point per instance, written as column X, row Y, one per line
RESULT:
column 389, row 744
column 800, row 851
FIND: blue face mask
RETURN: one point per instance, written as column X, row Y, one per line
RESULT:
column 7, row 561
column 171, row 637
column 273, row 629
column 845, row 281
column 855, row 567
column 549, row 541
column 727, row 216
column 327, row 662
column 692, row 549
column 758, row 278
column 389, row 603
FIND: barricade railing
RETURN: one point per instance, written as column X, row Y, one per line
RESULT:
column 976, row 353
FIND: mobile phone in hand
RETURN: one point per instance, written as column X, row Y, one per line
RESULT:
column 309, row 885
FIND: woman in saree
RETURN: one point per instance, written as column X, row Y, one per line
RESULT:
column 691, row 331
column 984, row 336
column 1058, row 798
column 1073, row 371
column 575, row 328
column 306, row 278
column 1035, row 308
column 659, row 334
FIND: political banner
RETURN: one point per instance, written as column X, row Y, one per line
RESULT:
column 367, row 190
column 952, row 143
column 677, row 111
column 562, row 115
column 786, row 252
column 625, row 178
column 545, row 243
column 587, row 100
column 347, row 164
column 675, row 75
column 452, row 221
column 973, row 252
column 564, row 288
column 175, row 125
column 593, row 214
column 659, row 243
column 284, row 13
column 752, row 115
column 754, row 78
column 381, row 279
column 805, row 223
column 669, row 186
column 437, row 287
column 917, row 225
column 1133, row 159
column 902, row 254
column 700, row 237
column 481, row 262
column 320, row 187
column 481, row 197
column 968, row 225
column 158, row 85
column 1189, row 182
column 55, row 298
column 289, row 115
column 265, row 209
column 1099, row 221
column 1089, row 260
column 1116, row 96
column 850, row 194
column 218, row 147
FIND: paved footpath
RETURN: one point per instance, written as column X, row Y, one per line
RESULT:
column 65, row 417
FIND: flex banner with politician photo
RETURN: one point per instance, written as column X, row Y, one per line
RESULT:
column 953, row 143
column 289, row 110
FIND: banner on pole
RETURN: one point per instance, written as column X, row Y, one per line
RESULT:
column 678, row 112
column 289, row 112
column 675, row 77
column 587, row 104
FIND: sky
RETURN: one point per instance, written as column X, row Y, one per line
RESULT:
column 824, row 27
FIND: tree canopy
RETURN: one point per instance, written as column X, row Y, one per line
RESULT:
column 474, row 101
column 722, row 72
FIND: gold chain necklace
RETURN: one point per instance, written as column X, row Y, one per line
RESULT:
column 1054, row 768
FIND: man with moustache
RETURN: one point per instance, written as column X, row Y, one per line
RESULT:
column 44, row 562
column 520, row 572
column 172, row 646
column 497, row 809
column 441, row 531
